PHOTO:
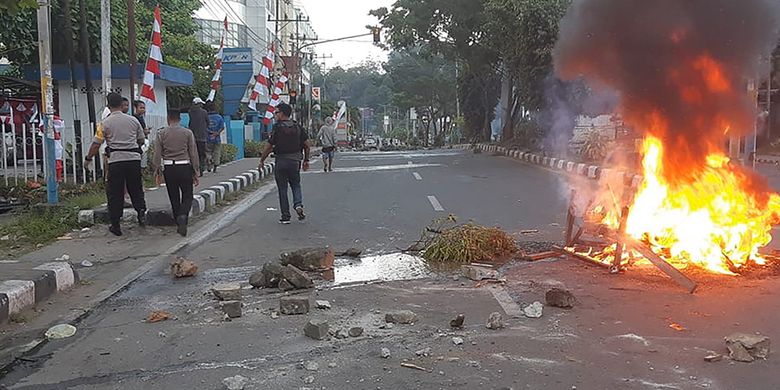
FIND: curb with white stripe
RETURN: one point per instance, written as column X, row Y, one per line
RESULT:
column 29, row 287
column 593, row 172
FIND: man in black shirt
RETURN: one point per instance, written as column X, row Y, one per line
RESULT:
column 199, row 123
column 290, row 145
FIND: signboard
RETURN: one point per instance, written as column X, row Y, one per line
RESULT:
column 315, row 94
column 237, row 56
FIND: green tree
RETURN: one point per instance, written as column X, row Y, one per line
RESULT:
column 15, row 5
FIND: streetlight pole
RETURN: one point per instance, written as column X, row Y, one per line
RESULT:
column 105, row 44
column 47, row 97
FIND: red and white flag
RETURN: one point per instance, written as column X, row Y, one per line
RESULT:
column 218, row 65
column 155, row 58
column 263, row 83
column 275, row 99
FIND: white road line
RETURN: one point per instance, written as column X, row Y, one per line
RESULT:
column 409, row 163
column 435, row 203
column 375, row 168
column 417, row 176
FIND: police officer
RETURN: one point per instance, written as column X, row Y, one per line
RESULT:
column 123, row 136
column 176, row 158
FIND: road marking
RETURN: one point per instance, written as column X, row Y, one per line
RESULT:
column 409, row 163
column 417, row 176
column 376, row 168
column 435, row 203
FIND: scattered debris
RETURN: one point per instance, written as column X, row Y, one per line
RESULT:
column 541, row 256
column 529, row 231
column 64, row 257
column 297, row 278
column 423, row 352
column 355, row 331
column 457, row 322
column 231, row 308
column 162, row 334
column 157, row 316
column 270, row 209
column 268, row 277
column 86, row 263
column 713, row 357
column 385, row 353
column 495, row 321
column 61, row 331
column 558, row 297
column 284, row 285
column 746, row 347
column 677, row 327
column 311, row 366
column 415, row 367
column 325, row 305
column 309, row 259
column 308, row 380
column 237, row 382
column 478, row 273
column 274, row 314
column 533, row 310
column 332, row 365
column 351, row 252
column 316, row 329
column 227, row 291
column 401, row 317
column 457, row 340
column 294, row 305
column 338, row 333
column 183, row 268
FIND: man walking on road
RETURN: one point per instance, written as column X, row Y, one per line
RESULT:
column 290, row 145
column 199, row 123
column 214, row 137
column 123, row 136
column 176, row 158
column 327, row 136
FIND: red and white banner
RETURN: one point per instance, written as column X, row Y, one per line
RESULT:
column 155, row 58
column 218, row 65
column 263, row 83
column 275, row 99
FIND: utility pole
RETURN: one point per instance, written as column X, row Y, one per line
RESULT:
column 47, row 97
column 105, row 44
column 132, row 46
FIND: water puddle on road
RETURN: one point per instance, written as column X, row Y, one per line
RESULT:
column 395, row 266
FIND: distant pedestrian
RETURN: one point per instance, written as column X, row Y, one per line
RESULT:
column 327, row 137
column 199, row 124
column 290, row 145
column 176, row 159
column 123, row 136
column 214, row 137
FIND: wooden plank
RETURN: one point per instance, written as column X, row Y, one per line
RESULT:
column 661, row 264
column 578, row 256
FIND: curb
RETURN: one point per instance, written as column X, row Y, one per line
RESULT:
column 592, row 172
column 203, row 200
column 768, row 159
column 33, row 286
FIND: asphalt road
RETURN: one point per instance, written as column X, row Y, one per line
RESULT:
column 618, row 338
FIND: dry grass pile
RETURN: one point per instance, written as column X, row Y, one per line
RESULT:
column 446, row 242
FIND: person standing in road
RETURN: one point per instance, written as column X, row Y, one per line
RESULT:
column 123, row 136
column 139, row 110
column 290, row 145
column 214, row 137
column 176, row 159
column 199, row 124
column 327, row 137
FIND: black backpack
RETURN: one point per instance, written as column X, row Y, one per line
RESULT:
column 287, row 136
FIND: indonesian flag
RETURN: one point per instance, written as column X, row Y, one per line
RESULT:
column 275, row 99
column 262, row 86
column 218, row 65
column 155, row 58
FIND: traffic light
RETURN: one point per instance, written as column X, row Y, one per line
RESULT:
column 377, row 35
column 293, row 97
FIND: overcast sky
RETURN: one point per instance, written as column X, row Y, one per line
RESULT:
column 341, row 18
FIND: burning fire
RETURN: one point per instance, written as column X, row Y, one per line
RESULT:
column 715, row 220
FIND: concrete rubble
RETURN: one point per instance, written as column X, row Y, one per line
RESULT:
column 401, row 317
column 316, row 329
column 237, row 382
column 355, row 331
column 286, row 278
column 558, row 297
column 747, row 347
column 268, row 277
column 457, row 340
column 310, row 259
column 227, row 291
column 457, row 322
column 477, row 273
column 294, row 305
column 324, row 305
column 231, row 308
column 183, row 268
column 533, row 310
column 495, row 321
column 351, row 252
column 296, row 277
column 385, row 353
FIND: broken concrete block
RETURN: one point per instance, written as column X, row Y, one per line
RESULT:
column 355, row 331
column 310, row 259
column 747, row 347
column 385, row 353
column 533, row 310
column 324, row 305
column 457, row 322
column 227, row 291
column 294, row 305
column 316, row 329
column 401, row 317
column 231, row 308
column 284, row 285
column 268, row 277
column 352, row 252
column 296, row 277
column 183, row 268
column 558, row 297
column 477, row 273
column 495, row 321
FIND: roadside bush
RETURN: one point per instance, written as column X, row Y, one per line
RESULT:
column 229, row 153
column 254, row 148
